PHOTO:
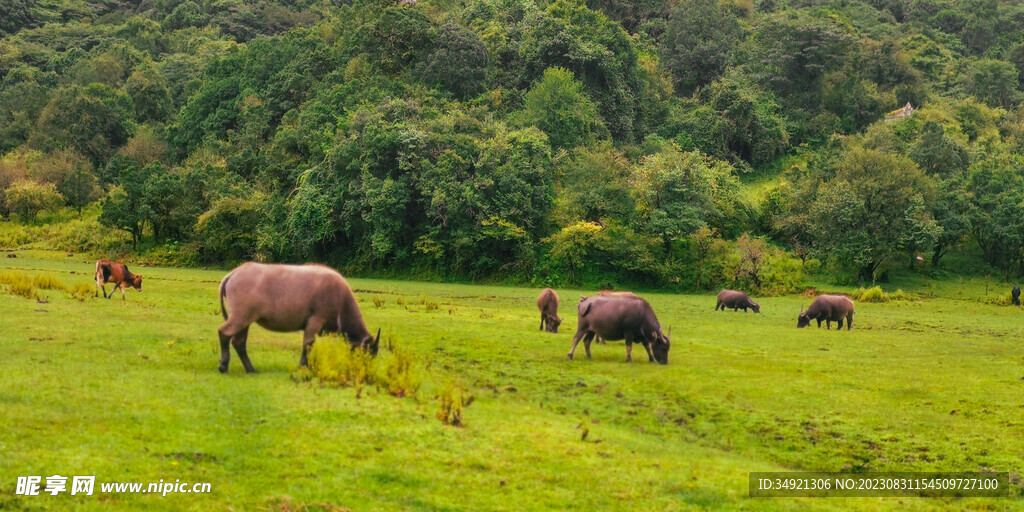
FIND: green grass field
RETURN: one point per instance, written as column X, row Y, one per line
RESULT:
column 131, row 392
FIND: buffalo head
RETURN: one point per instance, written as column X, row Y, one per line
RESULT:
column 660, row 347
column 370, row 344
column 137, row 282
column 552, row 324
column 756, row 307
column 803, row 320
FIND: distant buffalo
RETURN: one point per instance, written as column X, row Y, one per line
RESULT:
column 547, row 303
column 830, row 308
column 736, row 300
column 617, row 316
column 286, row 298
column 1015, row 293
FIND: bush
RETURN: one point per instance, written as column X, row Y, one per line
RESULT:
column 27, row 198
column 783, row 275
column 452, row 400
column 399, row 378
column 874, row 294
column 333, row 361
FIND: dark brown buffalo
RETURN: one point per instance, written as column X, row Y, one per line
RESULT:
column 547, row 303
column 119, row 275
column 284, row 298
column 1015, row 294
column 736, row 300
column 621, row 316
column 603, row 293
column 830, row 308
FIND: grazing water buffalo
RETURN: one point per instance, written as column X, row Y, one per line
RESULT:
column 830, row 308
column 284, row 298
column 603, row 293
column 1015, row 294
column 618, row 316
column 547, row 303
column 736, row 300
column 117, row 273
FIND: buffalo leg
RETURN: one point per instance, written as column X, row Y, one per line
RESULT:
column 586, row 342
column 828, row 323
column 719, row 305
column 840, row 323
column 650, row 352
column 629, row 349
column 122, row 293
column 819, row 323
column 849, row 322
column 238, row 340
column 227, row 331
column 313, row 326
column 575, row 340
column 541, row 322
column 225, row 351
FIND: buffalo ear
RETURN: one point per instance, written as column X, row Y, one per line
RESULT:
column 377, row 341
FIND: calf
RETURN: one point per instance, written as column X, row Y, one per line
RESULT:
column 119, row 275
column 547, row 303
column 736, row 300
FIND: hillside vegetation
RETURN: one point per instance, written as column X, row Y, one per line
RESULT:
column 690, row 144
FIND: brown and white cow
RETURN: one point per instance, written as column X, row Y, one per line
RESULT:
column 118, row 274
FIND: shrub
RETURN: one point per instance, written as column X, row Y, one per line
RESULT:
column 874, row 294
column 453, row 399
column 399, row 378
column 27, row 198
column 333, row 361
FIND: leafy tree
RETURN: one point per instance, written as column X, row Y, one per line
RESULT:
column 396, row 37
column 559, row 107
column 996, row 186
column 595, row 185
column 993, row 81
column 936, row 153
column 791, row 54
column 459, row 63
column 150, row 95
column 678, row 192
column 71, row 173
column 228, row 230
column 871, row 210
column 15, row 15
column 186, row 14
column 94, row 120
column 695, row 47
column 733, row 120
column 27, row 198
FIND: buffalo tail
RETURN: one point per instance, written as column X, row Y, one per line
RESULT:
column 223, row 284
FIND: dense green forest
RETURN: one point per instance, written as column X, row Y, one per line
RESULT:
column 688, row 143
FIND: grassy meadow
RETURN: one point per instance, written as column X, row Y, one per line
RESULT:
column 130, row 392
